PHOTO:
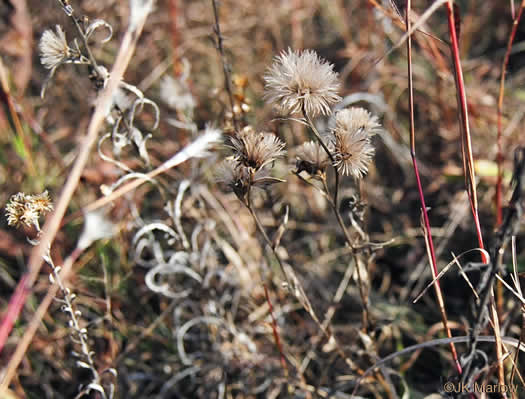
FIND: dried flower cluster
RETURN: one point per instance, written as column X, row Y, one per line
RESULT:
column 250, row 164
column 302, row 82
column 26, row 209
column 353, row 149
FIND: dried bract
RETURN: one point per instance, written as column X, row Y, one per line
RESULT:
column 240, row 179
column 302, row 81
column 256, row 150
column 311, row 158
column 353, row 149
column 235, row 176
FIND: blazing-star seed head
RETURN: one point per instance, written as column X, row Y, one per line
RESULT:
column 302, row 81
column 256, row 150
column 353, row 150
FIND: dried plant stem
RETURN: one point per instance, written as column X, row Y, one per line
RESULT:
column 499, row 158
column 52, row 225
column 332, row 200
column 296, row 287
column 328, row 315
column 260, row 227
column 276, row 335
column 518, row 289
column 508, row 228
column 225, row 66
column 92, row 59
column 426, row 222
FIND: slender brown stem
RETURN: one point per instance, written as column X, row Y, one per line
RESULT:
column 225, row 68
column 260, row 227
column 499, row 158
column 92, row 59
column 276, row 335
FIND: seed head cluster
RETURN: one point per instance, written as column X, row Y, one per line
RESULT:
column 26, row 209
column 302, row 81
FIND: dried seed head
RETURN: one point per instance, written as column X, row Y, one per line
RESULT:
column 255, row 150
column 353, row 149
column 27, row 209
column 53, row 48
column 311, row 158
column 300, row 81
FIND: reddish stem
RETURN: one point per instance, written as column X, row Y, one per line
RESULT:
column 14, row 308
column 428, row 232
column 466, row 145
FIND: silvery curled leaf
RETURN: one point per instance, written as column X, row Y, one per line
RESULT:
column 140, row 142
column 98, row 23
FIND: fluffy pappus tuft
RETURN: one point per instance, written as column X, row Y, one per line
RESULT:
column 302, row 81
column 353, row 150
column 54, row 49
column 256, row 150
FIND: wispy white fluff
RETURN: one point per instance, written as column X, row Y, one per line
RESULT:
column 97, row 226
column 176, row 94
column 139, row 9
column 200, row 148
